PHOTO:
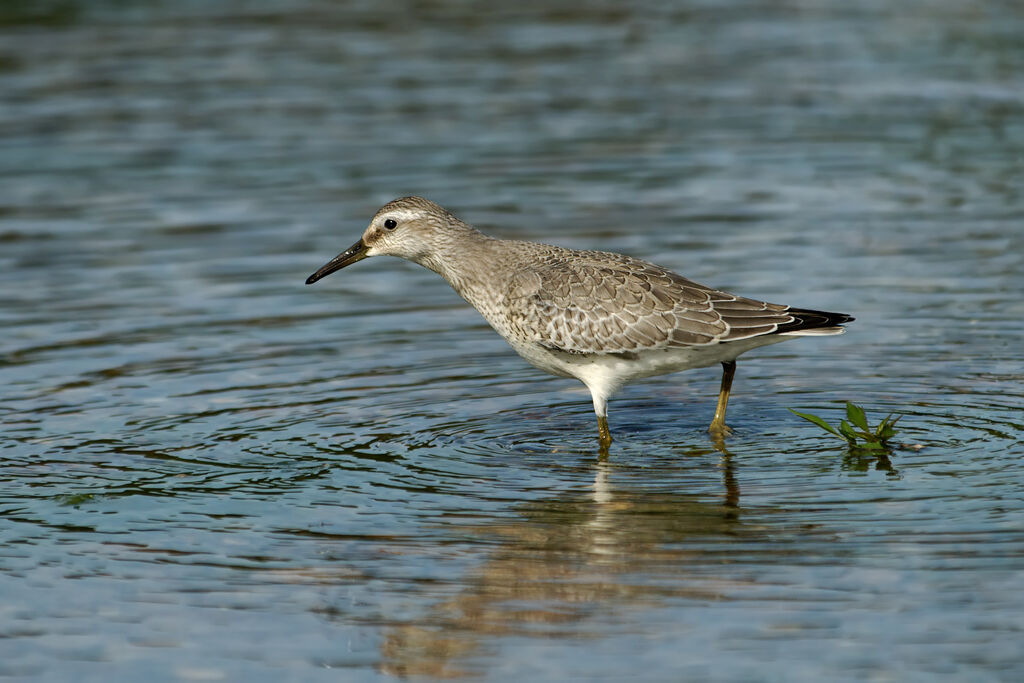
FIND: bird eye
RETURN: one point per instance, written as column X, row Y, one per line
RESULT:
column 390, row 224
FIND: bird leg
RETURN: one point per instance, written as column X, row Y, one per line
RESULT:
column 604, row 435
column 718, row 426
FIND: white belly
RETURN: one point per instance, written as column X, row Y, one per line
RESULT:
column 609, row 372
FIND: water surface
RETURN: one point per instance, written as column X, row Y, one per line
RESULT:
column 210, row 471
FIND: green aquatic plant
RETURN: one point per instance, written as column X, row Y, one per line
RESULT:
column 856, row 431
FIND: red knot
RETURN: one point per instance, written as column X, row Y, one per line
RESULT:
column 606, row 319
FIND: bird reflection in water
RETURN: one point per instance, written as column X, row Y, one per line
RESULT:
column 564, row 560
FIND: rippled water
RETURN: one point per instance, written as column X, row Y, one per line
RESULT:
column 210, row 471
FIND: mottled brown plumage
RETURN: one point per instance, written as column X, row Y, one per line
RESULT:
column 600, row 302
column 603, row 318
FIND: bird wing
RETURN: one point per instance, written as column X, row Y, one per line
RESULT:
column 597, row 302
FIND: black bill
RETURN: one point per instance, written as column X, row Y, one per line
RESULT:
column 357, row 252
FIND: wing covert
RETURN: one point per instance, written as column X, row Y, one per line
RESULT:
column 610, row 303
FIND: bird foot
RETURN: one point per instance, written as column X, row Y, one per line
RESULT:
column 720, row 430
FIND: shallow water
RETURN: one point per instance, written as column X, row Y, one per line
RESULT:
column 210, row 471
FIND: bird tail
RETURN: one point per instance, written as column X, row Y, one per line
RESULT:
column 809, row 323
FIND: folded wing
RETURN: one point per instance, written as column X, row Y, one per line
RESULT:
column 610, row 303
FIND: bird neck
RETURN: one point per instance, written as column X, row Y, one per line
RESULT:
column 469, row 262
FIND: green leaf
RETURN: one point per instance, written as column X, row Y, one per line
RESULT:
column 856, row 430
column 847, row 431
column 818, row 421
column 885, row 430
column 856, row 415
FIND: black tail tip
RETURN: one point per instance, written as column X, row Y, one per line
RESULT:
column 807, row 319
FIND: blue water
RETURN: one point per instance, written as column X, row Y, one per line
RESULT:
column 209, row 471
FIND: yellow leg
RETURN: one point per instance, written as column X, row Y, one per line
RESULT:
column 718, row 426
column 603, row 433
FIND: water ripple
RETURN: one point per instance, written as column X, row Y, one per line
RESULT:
column 209, row 470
